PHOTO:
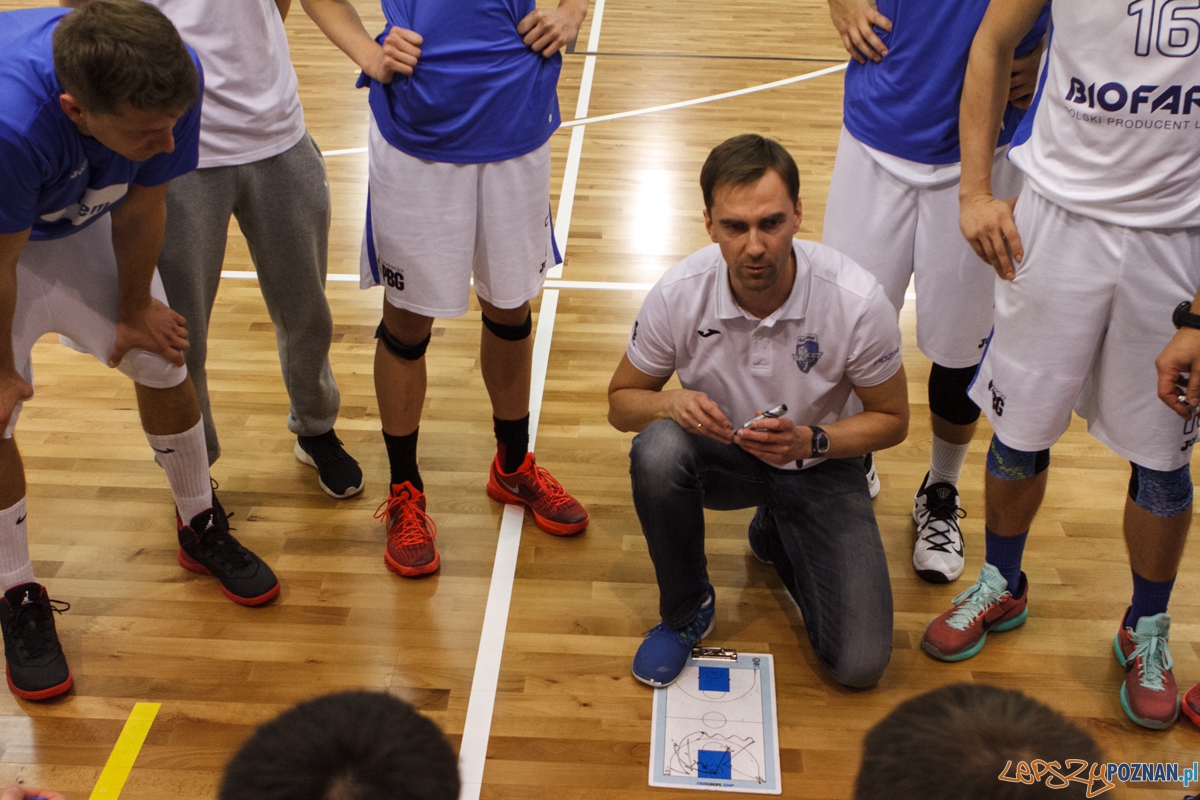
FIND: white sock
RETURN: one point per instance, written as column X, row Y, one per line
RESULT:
column 15, row 566
column 946, row 461
column 184, row 457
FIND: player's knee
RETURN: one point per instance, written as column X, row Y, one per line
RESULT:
column 510, row 333
column 1007, row 464
column 1163, row 494
column 948, row 394
column 407, row 352
column 152, row 370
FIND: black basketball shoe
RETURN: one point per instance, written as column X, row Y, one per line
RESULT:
column 206, row 547
column 36, row 667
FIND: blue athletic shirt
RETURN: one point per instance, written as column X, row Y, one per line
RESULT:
column 54, row 179
column 477, row 94
column 907, row 104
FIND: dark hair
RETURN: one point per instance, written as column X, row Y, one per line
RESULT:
column 355, row 745
column 956, row 741
column 108, row 52
column 744, row 159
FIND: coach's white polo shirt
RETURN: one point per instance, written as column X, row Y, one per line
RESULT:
column 836, row 330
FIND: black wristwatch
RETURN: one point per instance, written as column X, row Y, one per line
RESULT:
column 820, row 441
column 1183, row 317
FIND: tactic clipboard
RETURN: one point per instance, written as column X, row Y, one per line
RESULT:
column 715, row 727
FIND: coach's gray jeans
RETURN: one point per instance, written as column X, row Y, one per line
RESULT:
column 282, row 206
column 828, row 551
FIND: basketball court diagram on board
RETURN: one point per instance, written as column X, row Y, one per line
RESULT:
column 715, row 727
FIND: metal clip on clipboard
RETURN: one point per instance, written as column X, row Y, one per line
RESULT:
column 714, row 654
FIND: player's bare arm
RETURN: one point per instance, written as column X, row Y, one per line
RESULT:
column 856, row 21
column 284, row 7
column 987, row 222
column 142, row 321
column 1181, row 356
column 636, row 399
column 338, row 20
column 13, row 388
column 882, row 423
column 548, row 30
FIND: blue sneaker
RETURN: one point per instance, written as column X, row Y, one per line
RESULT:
column 760, row 528
column 665, row 650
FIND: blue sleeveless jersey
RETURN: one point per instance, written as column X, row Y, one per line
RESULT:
column 478, row 93
column 907, row 104
column 54, row 179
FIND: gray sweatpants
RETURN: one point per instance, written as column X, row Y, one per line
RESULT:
column 282, row 206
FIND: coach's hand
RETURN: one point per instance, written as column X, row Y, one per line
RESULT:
column 400, row 51
column 19, row 792
column 548, row 30
column 699, row 415
column 13, row 390
column 779, row 440
column 1181, row 355
column 991, row 231
column 155, row 328
column 1024, row 79
column 856, row 21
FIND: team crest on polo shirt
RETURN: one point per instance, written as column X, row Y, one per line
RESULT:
column 808, row 352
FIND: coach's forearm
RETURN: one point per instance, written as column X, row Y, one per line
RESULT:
column 632, row 410
column 883, row 422
column 866, row 432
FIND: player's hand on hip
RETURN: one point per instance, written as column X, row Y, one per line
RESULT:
column 1024, row 79
column 697, row 414
column 856, row 21
column 1181, row 356
column 548, row 30
column 991, row 231
column 18, row 792
column 401, row 51
column 778, row 440
column 13, row 390
column 155, row 328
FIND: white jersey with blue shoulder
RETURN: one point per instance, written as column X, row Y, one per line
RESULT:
column 1114, row 133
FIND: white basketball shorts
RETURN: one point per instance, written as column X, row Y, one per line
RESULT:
column 431, row 224
column 1079, row 328
column 897, row 225
column 69, row 287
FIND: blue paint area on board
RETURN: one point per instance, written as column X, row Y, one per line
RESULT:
column 714, row 679
column 714, row 764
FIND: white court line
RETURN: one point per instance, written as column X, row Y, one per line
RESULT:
column 589, row 67
column 472, row 754
column 712, row 98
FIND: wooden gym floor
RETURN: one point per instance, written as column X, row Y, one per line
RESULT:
column 569, row 721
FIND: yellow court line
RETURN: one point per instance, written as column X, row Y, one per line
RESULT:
column 129, row 744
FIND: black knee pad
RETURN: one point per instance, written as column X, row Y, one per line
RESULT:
column 948, row 394
column 510, row 333
column 408, row 352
